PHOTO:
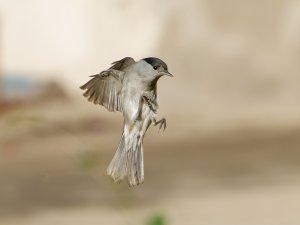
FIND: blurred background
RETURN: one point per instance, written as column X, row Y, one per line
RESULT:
column 231, row 151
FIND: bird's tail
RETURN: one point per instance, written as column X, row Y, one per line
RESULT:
column 128, row 161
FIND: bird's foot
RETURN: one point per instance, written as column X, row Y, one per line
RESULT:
column 162, row 124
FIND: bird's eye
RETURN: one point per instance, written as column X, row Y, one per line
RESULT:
column 155, row 67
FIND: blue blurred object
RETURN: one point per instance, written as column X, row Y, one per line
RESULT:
column 17, row 87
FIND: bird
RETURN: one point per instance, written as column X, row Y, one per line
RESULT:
column 130, row 87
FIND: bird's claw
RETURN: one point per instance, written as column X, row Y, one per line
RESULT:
column 162, row 124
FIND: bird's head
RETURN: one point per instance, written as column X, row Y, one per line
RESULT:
column 157, row 67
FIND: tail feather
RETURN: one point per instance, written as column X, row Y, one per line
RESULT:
column 117, row 167
column 128, row 161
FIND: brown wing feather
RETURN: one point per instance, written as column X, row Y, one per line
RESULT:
column 122, row 64
column 105, row 90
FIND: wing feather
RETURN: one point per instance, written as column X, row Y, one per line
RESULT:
column 105, row 90
column 122, row 64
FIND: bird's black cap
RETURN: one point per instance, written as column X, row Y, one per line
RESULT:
column 156, row 62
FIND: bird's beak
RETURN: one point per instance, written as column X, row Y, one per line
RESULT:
column 167, row 74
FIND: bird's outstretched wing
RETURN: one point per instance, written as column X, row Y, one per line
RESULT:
column 104, row 88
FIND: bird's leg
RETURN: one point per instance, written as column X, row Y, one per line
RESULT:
column 151, row 103
column 153, row 106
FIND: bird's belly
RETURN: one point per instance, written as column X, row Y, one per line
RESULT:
column 130, row 108
column 133, row 119
column 140, row 121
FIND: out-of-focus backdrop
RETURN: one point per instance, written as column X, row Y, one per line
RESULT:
column 231, row 151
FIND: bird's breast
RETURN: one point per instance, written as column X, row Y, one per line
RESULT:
column 130, row 103
column 132, row 91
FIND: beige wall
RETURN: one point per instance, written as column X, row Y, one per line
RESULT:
column 234, row 57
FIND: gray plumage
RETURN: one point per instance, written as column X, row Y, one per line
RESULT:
column 129, row 87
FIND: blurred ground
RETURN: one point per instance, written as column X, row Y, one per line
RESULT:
column 53, row 161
